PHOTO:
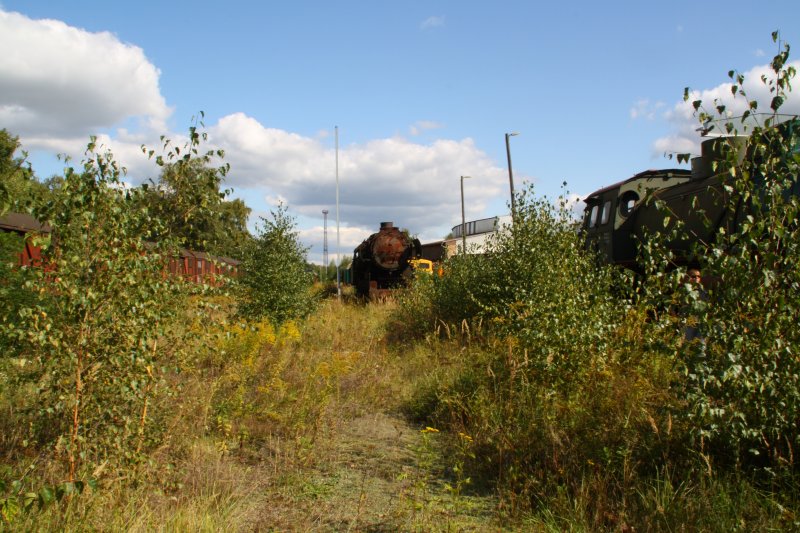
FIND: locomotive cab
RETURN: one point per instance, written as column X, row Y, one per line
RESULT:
column 700, row 201
column 609, row 219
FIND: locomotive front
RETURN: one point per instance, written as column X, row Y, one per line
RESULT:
column 381, row 262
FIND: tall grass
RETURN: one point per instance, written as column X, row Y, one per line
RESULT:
column 254, row 407
column 573, row 395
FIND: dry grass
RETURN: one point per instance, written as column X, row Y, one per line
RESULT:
column 313, row 441
column 301, row 430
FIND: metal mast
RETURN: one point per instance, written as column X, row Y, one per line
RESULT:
column 338, row 259
column 325, row 244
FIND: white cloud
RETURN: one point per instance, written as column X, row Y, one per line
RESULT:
column 60, row 84
column 349, row 238
column 431, row 22
column 685, row 137
column 413, row 185
column 645, row 109
column 64, row 83
column 276, row 200
column 423, row 125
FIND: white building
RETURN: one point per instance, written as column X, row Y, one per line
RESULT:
column 477, row 232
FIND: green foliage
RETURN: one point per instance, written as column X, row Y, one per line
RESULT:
column 555, row 379
column 743, row 375
column 18, row 187
column 274, row 281
column 187, row 198
column 575, row 376
column 536, row 286
column 85, row 339
column 544, row 291
column 14, row 294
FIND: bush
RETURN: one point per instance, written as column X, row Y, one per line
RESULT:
column 89, row 343
column 275, row 283
column 584, row 387
column 743, row 376
column 555, row 378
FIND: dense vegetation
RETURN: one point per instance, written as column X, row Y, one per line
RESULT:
column 583, row 396
column 275, row 281
column 566, row 395
column 95, row 339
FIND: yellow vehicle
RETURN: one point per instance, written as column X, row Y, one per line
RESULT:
column 422, row 265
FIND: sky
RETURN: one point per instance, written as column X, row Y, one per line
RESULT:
column 419, row 92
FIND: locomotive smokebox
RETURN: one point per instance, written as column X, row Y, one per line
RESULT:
column 381, row 262
column 390, row 247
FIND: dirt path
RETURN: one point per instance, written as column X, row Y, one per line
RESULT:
column 358, row 465
column 379, row 475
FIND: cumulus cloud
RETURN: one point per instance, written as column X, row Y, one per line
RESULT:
column 685, row 137
column 349, row 238
column 645, row 109
column 413, row 185
column 62, row 83
column 422, row 126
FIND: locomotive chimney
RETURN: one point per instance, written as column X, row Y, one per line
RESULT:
column 387, row 225
column 717, row 149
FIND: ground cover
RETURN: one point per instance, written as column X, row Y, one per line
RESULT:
column 298, row 428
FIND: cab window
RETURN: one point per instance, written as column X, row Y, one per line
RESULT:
column 592, row 221
column 604, row 216
column 627, row 202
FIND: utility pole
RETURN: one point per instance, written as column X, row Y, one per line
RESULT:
column 338, row 243
column 511, row 175
column 325, row 244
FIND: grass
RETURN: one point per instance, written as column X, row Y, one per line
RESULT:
column 292, row 429
column 321, row 427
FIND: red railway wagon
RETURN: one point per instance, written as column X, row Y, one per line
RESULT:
column 26, row 227
column 197, row 267
column 200, row 267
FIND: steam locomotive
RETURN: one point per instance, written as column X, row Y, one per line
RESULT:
column 383, row 261
column 619, row 216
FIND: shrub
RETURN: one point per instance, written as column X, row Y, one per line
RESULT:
column 88, row 341
column 743, row 376
column 275, row 283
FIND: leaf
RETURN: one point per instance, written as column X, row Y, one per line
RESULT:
column 9, row 509
column 46, row 496
column 29, row 499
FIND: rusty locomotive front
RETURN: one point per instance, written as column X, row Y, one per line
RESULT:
column 383, row 261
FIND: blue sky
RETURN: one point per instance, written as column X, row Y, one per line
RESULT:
column 421, row 91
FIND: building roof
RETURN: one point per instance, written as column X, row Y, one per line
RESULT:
column 22, row 223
